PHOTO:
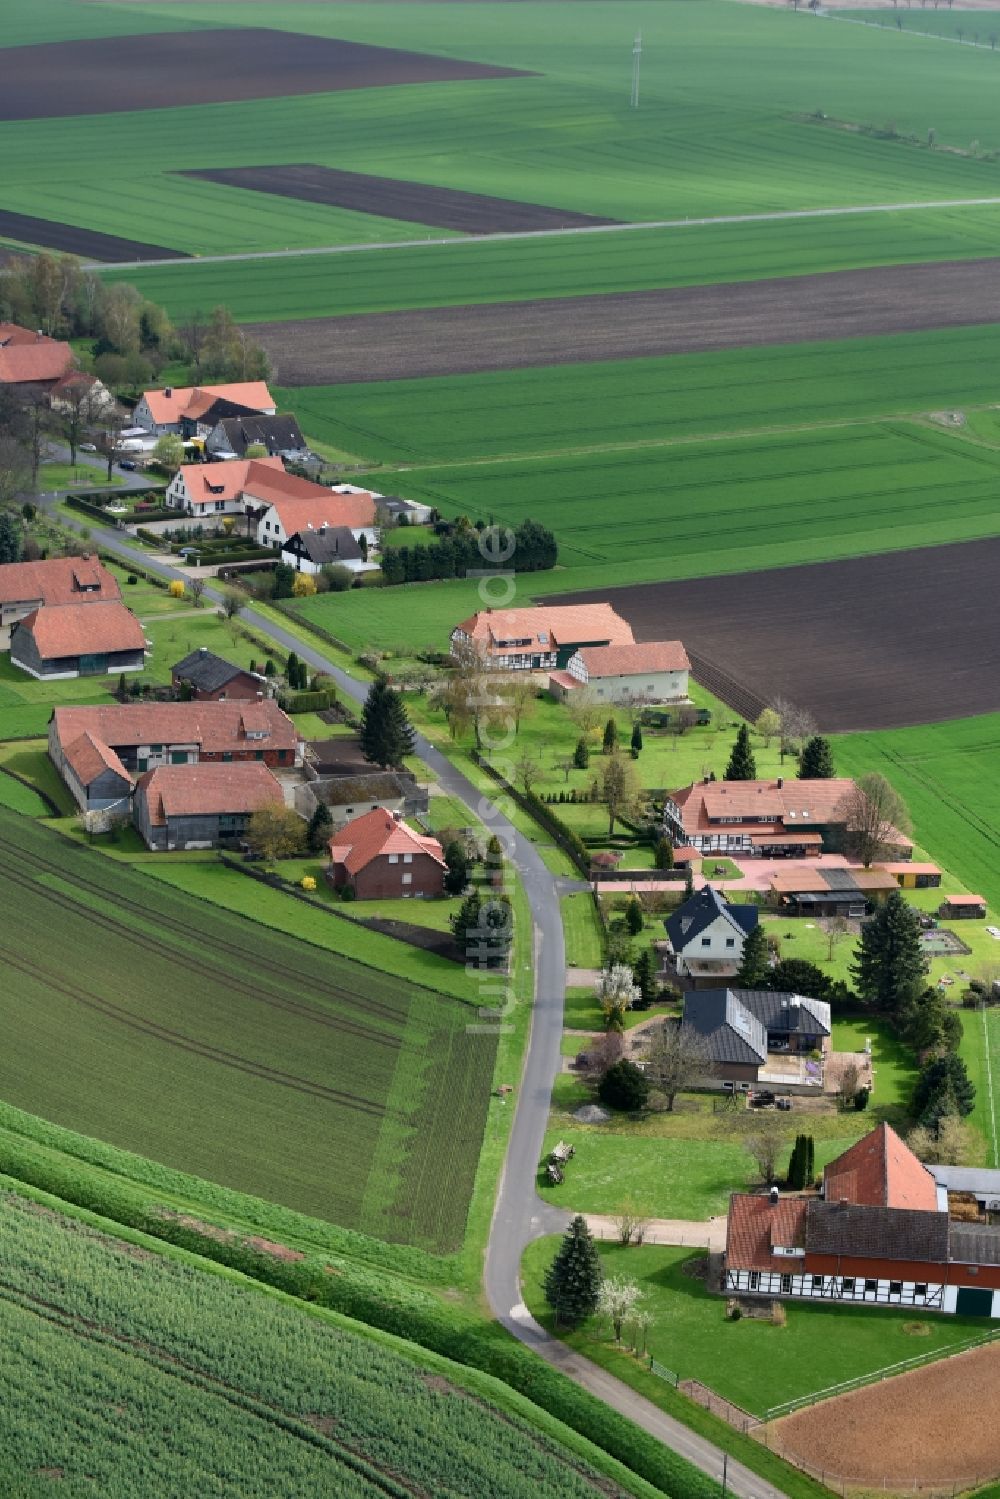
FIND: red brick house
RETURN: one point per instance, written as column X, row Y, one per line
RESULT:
column 213, row 679
column 880, row 1234
column 381, row 857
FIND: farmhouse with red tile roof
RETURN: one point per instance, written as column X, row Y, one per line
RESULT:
column 26, row 586
column 78, row 640
column 144, row 736
column 784, row 818
column 203, row 489
column 381, row 857
column 654, row 672
column 32, row 358
column 201, row 806
column 165, row 410
column 286, row 504
column 542, row 638
column 880, row 1234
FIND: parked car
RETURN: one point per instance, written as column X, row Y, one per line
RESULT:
column 784, row 1104
column 88, row 447
column 762, row 1099
column 127, row 464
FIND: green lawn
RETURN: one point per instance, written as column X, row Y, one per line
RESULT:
column 83, row 476
column 582, row 931
column 30, row 760
column 751, row 1362
column 946, row 774
column 228, row 1049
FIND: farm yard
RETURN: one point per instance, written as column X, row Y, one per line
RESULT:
column 378, row 1079
column 164, row 1380
column 640, row 324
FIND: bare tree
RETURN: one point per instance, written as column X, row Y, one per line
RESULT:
column 232, row 602
column 529, row 769
column 584, row 710
column 764, row 1143
column 850, row 1080
column 953, row 1143
column 37, row 425
column 685, row 718
column 677, row 1058
column 565, row 763
column 113, row 423
column 796, row 725
column 519, row 694
column 196, row 588
column 601, row 1053
column 837, row 928
column 466, row 692
column 872, row 813
column 15, row 468
column 768, row 725
column 77, row 410
column 630, row 1223
column 620, row 788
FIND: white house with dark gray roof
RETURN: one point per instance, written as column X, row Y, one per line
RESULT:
column 312, row 549
column 706, row 936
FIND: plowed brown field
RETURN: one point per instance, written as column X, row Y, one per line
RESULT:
column 632, row 325
column 70, row 239
column 932, row 1426
column 878, row 642
column 390, row 198
column 113, row 74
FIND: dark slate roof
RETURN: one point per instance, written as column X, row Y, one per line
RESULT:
column 974, row 1244
column 379, row 785
column 700, row 910
column 206, row 671
column 279, row 434
column 732, row 1034
column 331, row 544
column 841, row 879
column 220, row 409
column 876, row 1233
column 795, row 1013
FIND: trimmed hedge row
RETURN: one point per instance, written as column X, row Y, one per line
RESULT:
column 307, row 702
column 379, row 1300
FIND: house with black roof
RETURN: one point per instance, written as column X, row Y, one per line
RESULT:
column 237, row 429
column 311, row 550
column 213, row 679
column 756, row 1037
column 706, row 936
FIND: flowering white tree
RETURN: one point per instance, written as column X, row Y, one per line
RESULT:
column 617, row 1300
column 616, row 991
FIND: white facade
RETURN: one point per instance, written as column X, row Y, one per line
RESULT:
column 304, row 565
column 648, row 686
column 720, row 942
column 931, row 1295
column 271, row 532
column 178, row 497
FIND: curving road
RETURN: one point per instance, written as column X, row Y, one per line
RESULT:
column 520, row 1215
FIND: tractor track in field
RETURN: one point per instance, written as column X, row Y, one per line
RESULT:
column 232, row 949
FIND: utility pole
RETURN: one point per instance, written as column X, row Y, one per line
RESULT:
column 636, row 61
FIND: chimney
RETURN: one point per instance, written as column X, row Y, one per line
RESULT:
column 168, row 391
column 781, row 782
column 773, row 1196
column 39, row 335
column 203, row 650
column 397, row 816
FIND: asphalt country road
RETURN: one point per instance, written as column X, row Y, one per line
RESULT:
column 520, row 1216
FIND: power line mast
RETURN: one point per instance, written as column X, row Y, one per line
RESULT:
column 636, row 61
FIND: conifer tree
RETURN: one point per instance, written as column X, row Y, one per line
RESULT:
column 320, row 829
column 633, row 917
column 742, row 766
column 644, row 973
column 610, row 736
column 816, row 760
column 385, row 734
column 636, row 738
column 753, row 969
column 573, row 1280
column 581, row 755
column 889, row 967
column 664, row 854
column 457, row 874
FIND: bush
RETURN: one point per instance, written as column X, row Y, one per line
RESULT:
column 624, row 1087
column 307, row 702
column 176, row 589
column 131, row 578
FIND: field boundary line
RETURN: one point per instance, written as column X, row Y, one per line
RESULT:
column 777, row 216
column 989, row 1083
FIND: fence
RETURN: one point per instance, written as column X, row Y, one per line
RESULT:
column 662, row 1372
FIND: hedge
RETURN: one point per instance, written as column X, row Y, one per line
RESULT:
column 393, row 1305
column 565, row 837
column 96, row 512
column 307, row 702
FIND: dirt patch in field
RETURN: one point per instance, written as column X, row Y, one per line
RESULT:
column 927, row 1426
column 70, row 239
column 631, row 325
column 877, row 642
column 110, row 75
column 411, row 202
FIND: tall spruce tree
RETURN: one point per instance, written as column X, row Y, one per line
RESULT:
column 385, row 734
column 610, row 736
column 796, row 1177
column 943, row 1087
column 753, row 969
column 742, row 765
column 816, row 760
column 889, row 967
column 573, row 1279
column 320, row 829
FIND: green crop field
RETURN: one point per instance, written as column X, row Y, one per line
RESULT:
column 980, row 27
column 946, row 773
column 134, row 1374
column 565, row 137
column 578, row 407
column 577, row 265
column 145, row 1017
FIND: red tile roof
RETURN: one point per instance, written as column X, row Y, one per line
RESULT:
column 965, row 900
column 192, row 400
column 60, row 580
column 207, row 789
column 756, row 1227
column 82, row 629
column 13, row 333
column 206, row 482
column 40, row 362
column 787, row 804
column 300, row 504
column 634, row 660
column 214, row 726
column 567, row 624
column 880, row 1171
column 375, row 834
column 89, row 756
